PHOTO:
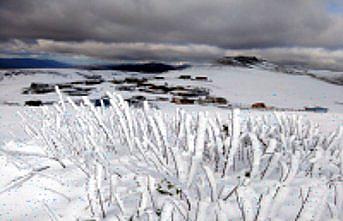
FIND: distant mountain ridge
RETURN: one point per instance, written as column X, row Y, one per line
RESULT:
column 243, row 61
column 9, row 63
column 255, row 62
column 159, row 67
column 148, row 67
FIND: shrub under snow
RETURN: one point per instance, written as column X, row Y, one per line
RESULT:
column 144, row 164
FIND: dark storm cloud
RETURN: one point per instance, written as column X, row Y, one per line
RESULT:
column 225, row 23
column 155, row 29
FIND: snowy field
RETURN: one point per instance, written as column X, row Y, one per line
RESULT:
column 121, row 162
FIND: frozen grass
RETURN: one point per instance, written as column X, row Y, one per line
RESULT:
column 144, row 164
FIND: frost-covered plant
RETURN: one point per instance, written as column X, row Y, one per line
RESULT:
column 189, row 166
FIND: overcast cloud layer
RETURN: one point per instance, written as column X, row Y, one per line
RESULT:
column 302, row 30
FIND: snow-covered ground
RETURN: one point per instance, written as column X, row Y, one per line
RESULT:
column 242, row 86
column 58, row 194
column 246, row 86
column 237, row 84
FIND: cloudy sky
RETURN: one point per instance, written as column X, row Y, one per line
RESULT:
column 288, row 31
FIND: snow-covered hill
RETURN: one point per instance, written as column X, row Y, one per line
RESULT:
column 121, row 162
column 239, row 86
